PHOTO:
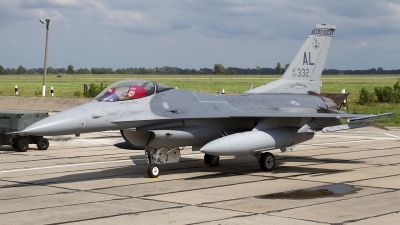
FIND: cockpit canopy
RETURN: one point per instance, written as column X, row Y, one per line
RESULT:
column 129, row 90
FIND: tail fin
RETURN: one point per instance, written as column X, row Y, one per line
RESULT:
column 304, row 73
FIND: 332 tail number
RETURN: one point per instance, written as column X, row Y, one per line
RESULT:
column 301, row 72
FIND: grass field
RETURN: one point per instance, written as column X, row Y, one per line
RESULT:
column 66, row 85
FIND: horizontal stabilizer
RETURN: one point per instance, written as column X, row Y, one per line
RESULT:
column 371, row 117
column 358, row 123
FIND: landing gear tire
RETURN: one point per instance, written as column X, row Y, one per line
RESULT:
column 153, row 171
column 267, row 161
column 211, row 160
column 42, row 144
column 23, row 145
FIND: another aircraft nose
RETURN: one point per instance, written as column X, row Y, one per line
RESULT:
column 71, row 121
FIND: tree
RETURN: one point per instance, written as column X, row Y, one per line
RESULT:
column 94, row 90
column 232, row 72
column 40, row 70
column 201, row 72
column 142, row 70
column 11, row 71
column 94, row 70
column 219, row 69
column 278, row 68
column 287, row 66
column 33, row 71
column 366, row 97
column 2, row 70
column 62, row 70
column 21, row 70
column 258, row 70
column 385, row 94
column 86, row 71
column 70, row 69
column 150, row 71
column 79, row 71
column 108, row 70
column 49, row 70
column 373, row 71
column 396, row 86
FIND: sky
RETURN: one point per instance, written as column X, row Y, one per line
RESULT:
column 195, row 33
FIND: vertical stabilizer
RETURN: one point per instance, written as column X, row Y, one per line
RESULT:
column 304, row 73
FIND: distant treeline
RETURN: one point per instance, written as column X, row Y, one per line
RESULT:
column 176, row 70
column 378, row 70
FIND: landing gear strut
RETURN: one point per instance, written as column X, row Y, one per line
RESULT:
column 152, row 169
column 154, row 157
column 211, row 160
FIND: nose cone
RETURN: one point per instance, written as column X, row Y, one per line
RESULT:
column 71, row 121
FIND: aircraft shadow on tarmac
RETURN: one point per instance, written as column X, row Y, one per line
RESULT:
column 245, row 165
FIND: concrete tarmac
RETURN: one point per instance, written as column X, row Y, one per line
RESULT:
column 86, row 180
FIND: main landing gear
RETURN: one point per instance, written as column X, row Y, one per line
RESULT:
column 211, row 160
column 266, row 160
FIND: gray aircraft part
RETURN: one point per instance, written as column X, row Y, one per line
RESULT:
column 162, row 119
column 251, row 141
column 358, row 123
column 194, row 133
column 174, row 137
column 122, row 144
column 304, row 73
column 175, row 106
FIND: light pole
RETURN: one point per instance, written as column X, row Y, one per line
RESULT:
column 45, row 56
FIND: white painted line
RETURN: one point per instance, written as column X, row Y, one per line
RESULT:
column 344, row 142
column 392, row 135
column 82, row 164
column 68, row 165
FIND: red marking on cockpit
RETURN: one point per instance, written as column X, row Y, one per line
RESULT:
column 135, row 92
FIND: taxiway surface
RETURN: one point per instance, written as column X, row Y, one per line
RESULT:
column 87, row 180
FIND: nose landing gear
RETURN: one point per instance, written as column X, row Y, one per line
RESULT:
column 154, row 157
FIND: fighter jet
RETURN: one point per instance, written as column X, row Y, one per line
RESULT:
column 161, row 119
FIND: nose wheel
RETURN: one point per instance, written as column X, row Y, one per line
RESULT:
column 153, row 171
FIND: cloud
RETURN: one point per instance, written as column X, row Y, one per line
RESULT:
column 253, row 19
column 103, row 39
column 29, row 4
column 361, row 45
column 14, row 41
column 226, row 29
